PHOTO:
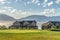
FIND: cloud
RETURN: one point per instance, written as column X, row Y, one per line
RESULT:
column 50, row 3
column 44, row 5
column 8, row 8
column 38, row 4
column 17, row 0
column 19, row 14
column 57, row 1
column 2, row 0
column 24, row 13
column 12, row 11
column 45, row 1
column 15, row 13
column 48, row 12
column 35, row 1
column 2, row 11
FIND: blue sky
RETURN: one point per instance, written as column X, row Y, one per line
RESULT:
column 23, row 8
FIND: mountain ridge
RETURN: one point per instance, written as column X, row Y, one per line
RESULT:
column 41, row 18
column 4, row 17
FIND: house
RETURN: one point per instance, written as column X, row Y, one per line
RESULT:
column 25, row 24
column 50, row 24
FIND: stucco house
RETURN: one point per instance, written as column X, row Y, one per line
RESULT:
column 25, row 24
column 50, row 24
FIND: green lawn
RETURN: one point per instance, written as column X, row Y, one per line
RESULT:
column 29, row 35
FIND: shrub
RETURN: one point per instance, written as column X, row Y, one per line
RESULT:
column 3, row 27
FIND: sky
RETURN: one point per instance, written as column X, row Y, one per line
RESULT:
column 22, row 8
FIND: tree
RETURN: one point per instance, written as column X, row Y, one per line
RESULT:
column 2, row 27
column 53, row 27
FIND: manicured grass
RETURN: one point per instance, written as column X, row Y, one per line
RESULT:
column 29, row 35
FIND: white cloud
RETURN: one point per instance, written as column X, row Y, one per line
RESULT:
column 48, row 12
column 16, row 0
column 45, row 1
column 38, row 4
column 24, row 13
column 50, row 3
column 8, row 8
column 2, row 11
column 44, row 5
column 13, row 11
column 19, row 14
column 2, row 0
column 57, row 1
column 35, row 1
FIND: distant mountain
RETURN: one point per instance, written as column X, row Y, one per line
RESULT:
column 4, row 17
column 41, row 18
column 6, row 20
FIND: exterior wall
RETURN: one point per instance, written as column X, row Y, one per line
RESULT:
column 25, row 24
column 49, row 24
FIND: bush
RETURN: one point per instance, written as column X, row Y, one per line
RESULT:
column 3, row 27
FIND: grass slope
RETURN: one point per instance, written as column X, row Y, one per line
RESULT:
column 29, row 35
